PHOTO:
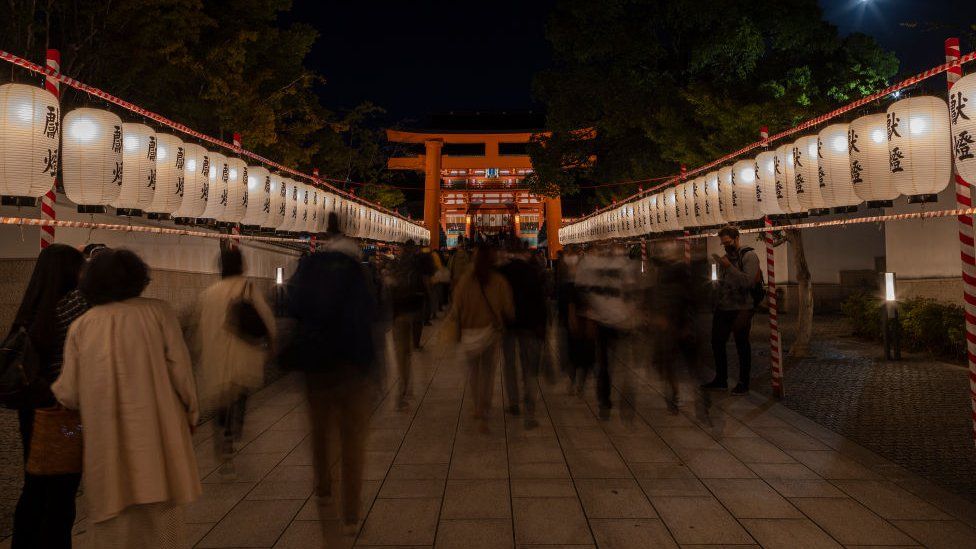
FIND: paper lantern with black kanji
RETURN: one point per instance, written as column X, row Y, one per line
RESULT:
column 313, row 226
column 170, row 181
column 867, row 143
column 765, row 166
column 835, row 168
column 30, row 128
column 92, row 155
column 682, row 212
column 744, row 205
column 290, row 221
column 962, row 117
column 806, row 176
column 237, row 197
column 725, row 194
column 279, row 193
column 217, row 180
column 786, row 181
column 304, row 208
column 139, row 169
column 196, row 183
column 697, row 201
column 713, row 213
column 670, row 209
column 258, row 197
column 919, row 145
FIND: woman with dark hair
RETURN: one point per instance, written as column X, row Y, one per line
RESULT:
column 45, row 511
column 230, row 366
column 127, row 370
column 482, row 307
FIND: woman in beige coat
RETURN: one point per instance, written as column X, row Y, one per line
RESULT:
column 228, row 366
column 127, row 369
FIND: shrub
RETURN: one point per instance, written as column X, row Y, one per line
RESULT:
column 863, row 312
column 926, row 324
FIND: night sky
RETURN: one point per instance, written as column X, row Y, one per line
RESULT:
column 422, row 57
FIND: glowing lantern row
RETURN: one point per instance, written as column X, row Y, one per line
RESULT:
column 170, row 183
column 30, row 128
column 92, row 156
column 963, row 123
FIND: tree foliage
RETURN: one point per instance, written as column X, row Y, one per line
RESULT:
column 220, row 66
column 671, row 82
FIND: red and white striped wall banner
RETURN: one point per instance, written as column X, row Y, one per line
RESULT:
column 50, row 198
column 775, row 343
column 967, row 253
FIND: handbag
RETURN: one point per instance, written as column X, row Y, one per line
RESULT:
column 56, row 442
column 244, row 321
column 19, row 366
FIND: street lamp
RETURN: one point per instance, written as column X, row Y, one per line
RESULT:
column 890, row 324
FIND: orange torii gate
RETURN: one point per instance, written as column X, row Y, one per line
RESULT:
column 474, row 183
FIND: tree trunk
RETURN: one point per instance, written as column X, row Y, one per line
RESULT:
column 804, row 309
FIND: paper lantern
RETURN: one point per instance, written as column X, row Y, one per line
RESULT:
column 698, row 203
column 713, row 214
column 835, row 169
column 683, row 212
column 725, row 184
column 644, row 215
column 868, row 146
column 276, row 215
column 963, row 123
column 235, row 207
column 671, row 209
column 765, row 166
column 217, row 175
column 30, row 128
column 744, row 205
column 196, row 184
column 290, row 221
column 316, row 224
column 258, row 197
column 92, row 156
column 806, row 177
column 139, row 170
column 919, row 147
column 786, row 196
column 170, row 164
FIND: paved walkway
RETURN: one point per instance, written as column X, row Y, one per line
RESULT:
column 759, row 475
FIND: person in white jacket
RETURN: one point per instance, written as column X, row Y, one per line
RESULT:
column 127, row 370
column 229, row 367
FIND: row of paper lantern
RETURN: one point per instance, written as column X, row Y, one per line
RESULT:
column 131, row 167
column 909, row 150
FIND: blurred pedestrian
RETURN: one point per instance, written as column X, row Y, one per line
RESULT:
column 45, row 511
column 460, row 262
column 127, row 370
column 332, row 304
column 407, row 290
column 739, row 292
column 526, row 331
column 482, row 307
column 234, row 335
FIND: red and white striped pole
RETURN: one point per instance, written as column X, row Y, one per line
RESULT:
column 50, row 198
column 967, row 253
column 235, row 229
column 775, row 343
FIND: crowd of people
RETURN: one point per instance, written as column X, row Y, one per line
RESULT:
column 123, row 362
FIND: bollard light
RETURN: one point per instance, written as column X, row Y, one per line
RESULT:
column 279, row 275
column 889, row 284
column 714, row 272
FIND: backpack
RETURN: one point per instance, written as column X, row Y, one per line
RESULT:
column 758, row 290
column 19, row 365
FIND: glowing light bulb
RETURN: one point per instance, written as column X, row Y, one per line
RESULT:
column 130, row 142
column 252, row 183
column 191, row 165
column 878, row 135
column 840, row 143
column 812, row 149
column 770, row 166
column 233, row 173
column 22, row 113
column 160, row 153
column 213, row 172
column 83, row 129
column 747, row 176
column 918, row 125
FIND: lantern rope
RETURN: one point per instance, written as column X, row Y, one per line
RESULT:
column 911, row 81
column 820, row 224
column 51, row 73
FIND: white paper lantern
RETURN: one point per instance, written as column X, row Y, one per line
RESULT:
column 786, row 181
column 30, row 128
column 92, row 156
column 766, row 184
column 196, row 184
column 725, row 194
column 217, row 175
column 868, row 146
column 835, row 168
column 290, row 221
column 962, row 103
column 683, row 212
column 671, row 209
column 139, row 169
column 170, row 164
column 304, row 208
column 713, row 213
column 697, row 202
column 235, row 206
column 276, row 215
column 258, row 197
column 744, row 205
column 919, row 146
column 806, row 163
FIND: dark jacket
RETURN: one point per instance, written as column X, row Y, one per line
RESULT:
column 528, row 290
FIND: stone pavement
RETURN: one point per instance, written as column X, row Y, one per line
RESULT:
column 757, row 475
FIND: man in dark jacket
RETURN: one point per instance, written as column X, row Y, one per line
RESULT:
column 332, row 304
column 527, row 331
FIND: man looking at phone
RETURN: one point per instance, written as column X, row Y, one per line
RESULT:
column 739, row 285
